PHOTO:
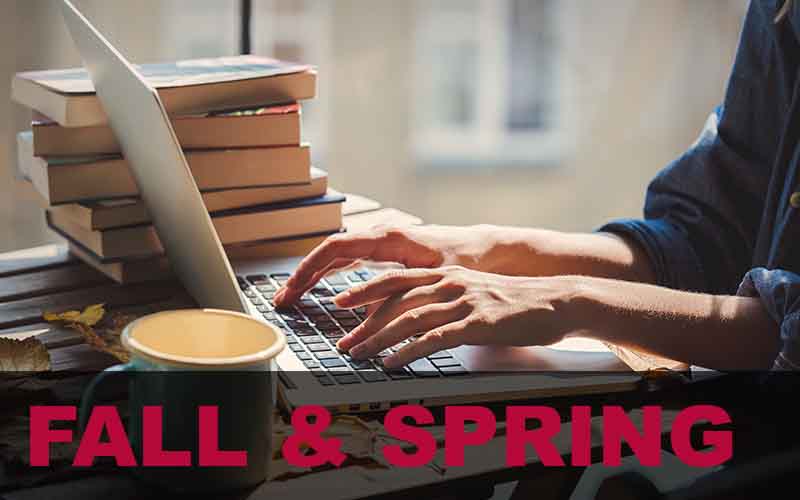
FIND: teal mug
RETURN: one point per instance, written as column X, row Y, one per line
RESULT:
column 182, row 361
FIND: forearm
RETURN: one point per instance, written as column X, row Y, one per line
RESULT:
column 539, row 252
column 719, row 332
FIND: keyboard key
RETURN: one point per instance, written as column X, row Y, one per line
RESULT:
column 441, row 355
column 291, row 340
column 256, row 278
column 341, row 369
column 304, row 331
column 296, row 347
column 249, row 293
column 310, row 363
column 339, row 289
column 332, row 363
column 304, row 356
column 291, row 314
column 354, row 277
column 330, row 354
column 266, row 288
column 318, row 347
column 333, row 335
column 256, row 301
column 363, row 364
column 423, row 368
column 312, row 339
column 326, row 380
column 336, row 280
column 443, row 363
column 453, row 370
column 342, row 314
column 263, row 308
column 280, row 276
column 372, row 375
column 399, row 375
column 347, row 378
column 349, row 323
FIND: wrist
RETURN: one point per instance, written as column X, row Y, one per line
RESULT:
column 585, row 307
column 512, row 251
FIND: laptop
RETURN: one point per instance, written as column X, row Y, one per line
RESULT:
column 312, row 371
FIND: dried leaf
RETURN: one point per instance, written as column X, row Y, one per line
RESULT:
column 98, row 330
column 89, row 317
column 28, row 355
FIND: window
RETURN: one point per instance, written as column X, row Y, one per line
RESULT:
column 199, row 28
column 487, row 80
column 299, row 30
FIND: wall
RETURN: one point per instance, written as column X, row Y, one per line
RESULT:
column 644, row 76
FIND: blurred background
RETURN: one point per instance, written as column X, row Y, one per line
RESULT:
column 551, row 113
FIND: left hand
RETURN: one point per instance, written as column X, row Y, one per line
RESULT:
column 452, row 306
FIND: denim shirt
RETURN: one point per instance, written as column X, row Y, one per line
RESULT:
column 724, row 218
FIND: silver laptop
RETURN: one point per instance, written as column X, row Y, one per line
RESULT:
column 312, row 370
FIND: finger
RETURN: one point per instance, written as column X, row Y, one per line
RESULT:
column 353, row 247
column 408, row 324
column 287, row 296
column 389, row 310
column 387, row 285
column 438, row 339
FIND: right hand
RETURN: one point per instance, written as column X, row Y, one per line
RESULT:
column 412, row 246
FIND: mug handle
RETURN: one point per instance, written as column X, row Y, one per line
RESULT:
column 87, row 400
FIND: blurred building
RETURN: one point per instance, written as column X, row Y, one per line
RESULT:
column 552, row 113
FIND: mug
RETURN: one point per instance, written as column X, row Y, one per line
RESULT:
column 182, row 360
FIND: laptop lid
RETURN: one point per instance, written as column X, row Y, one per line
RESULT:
column 159, row 167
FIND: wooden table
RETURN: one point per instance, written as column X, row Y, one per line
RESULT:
column 48, row 278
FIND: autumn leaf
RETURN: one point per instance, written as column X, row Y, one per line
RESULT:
column 89, row 317
column 28, row 355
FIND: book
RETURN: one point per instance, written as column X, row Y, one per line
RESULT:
column 106, row 214
column 185, row 88
column 68, row 179
column 158, row 268
column 242, row 225
column 258, row 127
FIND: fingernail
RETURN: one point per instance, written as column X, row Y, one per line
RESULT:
column 343, row 341
column 391, row 362
column 358, row 351
column 342, row 297
column 279, row 294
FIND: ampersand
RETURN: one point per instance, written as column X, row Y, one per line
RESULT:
column 310, row 433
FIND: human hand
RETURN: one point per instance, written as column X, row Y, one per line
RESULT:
column 454, row 306
column 413, row 246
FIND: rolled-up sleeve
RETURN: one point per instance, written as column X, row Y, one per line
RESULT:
column 702, row 213
column 702, row 226
column 779, row 291
column 701, row 216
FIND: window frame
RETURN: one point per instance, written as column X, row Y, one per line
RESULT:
column 488, row 143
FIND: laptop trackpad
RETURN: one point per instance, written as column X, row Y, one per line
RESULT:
column 575, row 354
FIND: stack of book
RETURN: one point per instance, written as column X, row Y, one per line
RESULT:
column 238, row 122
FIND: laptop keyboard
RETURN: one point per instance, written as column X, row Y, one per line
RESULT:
column 315, row 324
